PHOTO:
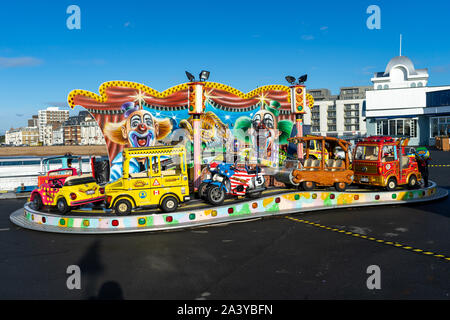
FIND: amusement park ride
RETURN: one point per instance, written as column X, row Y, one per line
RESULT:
column 203, row 152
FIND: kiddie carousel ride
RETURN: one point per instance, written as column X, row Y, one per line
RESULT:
column 202, row 153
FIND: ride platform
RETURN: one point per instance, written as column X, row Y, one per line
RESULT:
column 273, row 202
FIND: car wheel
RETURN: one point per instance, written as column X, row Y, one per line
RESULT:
column 62, row 206
column 308, row 185
column 123, row 207
column 412, row 182
column 215, row 195
column 340, row 186
column 391, row 184
column 37, row 202
column 169, row 204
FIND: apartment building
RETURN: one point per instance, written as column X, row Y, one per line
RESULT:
column 22, row 136
column 72, row 131
column 91, row 134
column 50, row 116
column 337, row 115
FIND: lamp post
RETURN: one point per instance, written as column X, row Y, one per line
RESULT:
column 298, row 104
column 196, row 107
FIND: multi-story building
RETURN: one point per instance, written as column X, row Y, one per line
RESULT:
column 34, row 121
column 72, row 131
column 401, row 104
column 58, row 136
column 91, row 133
column 52, row 116
column 28, row 136
column 337, row 115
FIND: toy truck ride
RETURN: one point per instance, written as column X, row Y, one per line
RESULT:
column 66, row 189
column 162, row 181
column 382, row 161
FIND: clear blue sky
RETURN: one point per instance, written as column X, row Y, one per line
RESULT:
column 244, row 44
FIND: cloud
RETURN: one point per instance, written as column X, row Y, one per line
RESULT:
column 13, row 62
column 20, row 114
column 307, row 37
column 324, row 28
column 126, row 24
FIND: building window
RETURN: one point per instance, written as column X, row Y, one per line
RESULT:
column 439, row 126
column 420, row 84
column 413, row 85
column 386, row 86
column 397, row 127
column 379, row 87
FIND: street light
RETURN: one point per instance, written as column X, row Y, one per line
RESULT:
column 204, row 75
column 190, row 76
column 290, row 79
column 301, row 79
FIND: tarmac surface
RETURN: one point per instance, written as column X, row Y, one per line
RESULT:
column 272, row 258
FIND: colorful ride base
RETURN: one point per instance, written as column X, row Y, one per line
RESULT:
column 266, row 206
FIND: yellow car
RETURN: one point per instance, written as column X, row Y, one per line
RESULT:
column 315, row 149
column 64, row 189
column 163, row 181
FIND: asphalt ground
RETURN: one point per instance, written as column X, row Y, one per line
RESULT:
column 273, row 258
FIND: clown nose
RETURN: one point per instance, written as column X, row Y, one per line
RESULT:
column 142, row 128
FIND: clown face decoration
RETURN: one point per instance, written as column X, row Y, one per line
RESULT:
column 138, row 129
column 264, row 132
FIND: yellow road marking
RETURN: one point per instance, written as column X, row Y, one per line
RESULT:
column 354, row 234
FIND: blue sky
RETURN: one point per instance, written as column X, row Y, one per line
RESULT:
column 244, row 44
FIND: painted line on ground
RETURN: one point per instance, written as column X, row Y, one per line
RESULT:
column 358, row 235
column 439, row 165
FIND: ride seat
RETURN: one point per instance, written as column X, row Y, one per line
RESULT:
column 308, row 163
column 404, row 163
column 329, row 164
column 371, row 157
column 338, row 165
column 316, row 165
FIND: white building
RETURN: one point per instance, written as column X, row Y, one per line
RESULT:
column 91, row 134
column 51, row 115
column 337, row 115
column 22, row 136
column 13, row 137
column 401, row 104
column 58, row 136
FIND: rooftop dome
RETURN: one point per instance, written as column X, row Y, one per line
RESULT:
column 400, row 60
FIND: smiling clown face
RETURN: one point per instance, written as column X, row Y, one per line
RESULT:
column 140, row 129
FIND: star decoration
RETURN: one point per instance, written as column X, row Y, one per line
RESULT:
column 139, row 97
column 262, row 99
